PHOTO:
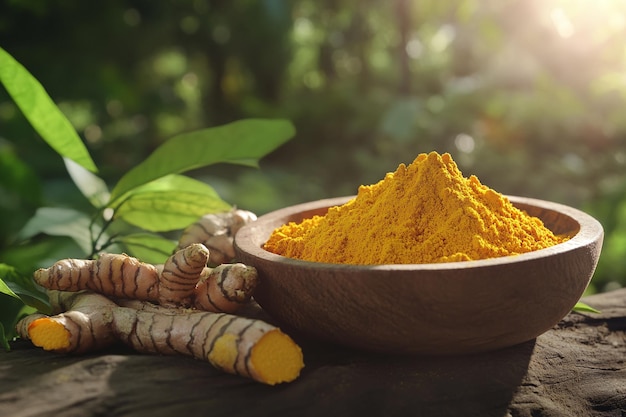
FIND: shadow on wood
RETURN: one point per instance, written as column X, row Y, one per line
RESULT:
column 577, row 368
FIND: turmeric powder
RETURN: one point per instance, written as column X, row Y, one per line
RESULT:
column 426, row 212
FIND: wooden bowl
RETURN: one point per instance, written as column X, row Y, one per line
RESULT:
column 438, row 309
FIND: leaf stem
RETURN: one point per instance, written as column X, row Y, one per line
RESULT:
column 95, row 247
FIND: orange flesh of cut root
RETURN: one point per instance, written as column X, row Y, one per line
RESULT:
column 276, row 358
column 49, row 334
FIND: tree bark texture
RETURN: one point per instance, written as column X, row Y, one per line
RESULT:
column 576, row 369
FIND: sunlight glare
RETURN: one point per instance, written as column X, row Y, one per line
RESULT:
column 562, row 23
column 414, row 48
column 464, row 143
column 443, row 38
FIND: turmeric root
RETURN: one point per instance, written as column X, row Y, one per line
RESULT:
column 225, row 288
column 241, row 346
column 236, row 345
column 122, row 276
column 117, row 275
column 86, row 325
column 181, row 272
column 216, row 231
column 183, row 281
column 21, row 327
column 222, row 248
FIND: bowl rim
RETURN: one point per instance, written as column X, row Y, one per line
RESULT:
column 590, row 231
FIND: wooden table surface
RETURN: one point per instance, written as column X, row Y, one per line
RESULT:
column 576, row 369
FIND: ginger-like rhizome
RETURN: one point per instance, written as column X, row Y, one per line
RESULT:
column 180, row 307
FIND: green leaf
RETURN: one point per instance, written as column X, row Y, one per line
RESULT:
column 58, row 221
column 242, row 142
column 11, row 311
column 148, row 247
column 18, row 177
column 23, row 288
column 169, row 203
column 584, row 308
column 20, row 193
column 43, row 115
column 90, row 185
column 4, row 289
column 41, row 252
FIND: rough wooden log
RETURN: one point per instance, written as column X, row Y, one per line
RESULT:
column 576, row 369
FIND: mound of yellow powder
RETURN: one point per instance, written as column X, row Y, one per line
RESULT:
column 426, row 212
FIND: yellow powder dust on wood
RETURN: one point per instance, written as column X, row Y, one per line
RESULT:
column 426, row 212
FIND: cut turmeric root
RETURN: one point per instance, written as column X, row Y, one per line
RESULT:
column 241, row 346
column 22, row 325
column 234, row 344
column 151, row 309
column 85, row 326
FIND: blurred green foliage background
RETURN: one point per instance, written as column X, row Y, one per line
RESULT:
column 529, row 95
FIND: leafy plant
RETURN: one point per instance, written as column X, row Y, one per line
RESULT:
column 581, row 307
column 151, row 198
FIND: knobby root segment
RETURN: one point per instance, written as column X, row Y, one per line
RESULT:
column 216, row 231
column 117, row 275
column 225, row 288
column 237, row 345
column 181, row 272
